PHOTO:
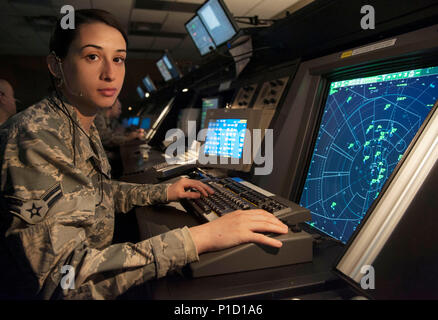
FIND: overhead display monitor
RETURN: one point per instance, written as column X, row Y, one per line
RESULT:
column 207, row 104
column 149, row 84
column 168, row 68
column 163, row 70
column 218, row 21
column 140, row 92
column 366, row 126
column 200, row 36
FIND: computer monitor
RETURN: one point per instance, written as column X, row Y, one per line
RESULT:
column 168, row 68
column 366, row 126
column 149, row 84
column 228, row 142
column 163, row 70
column 145, row 123
column 140, row 92
column 200, row 36
column 207, row 104
column 131, row 122
column 218, row 21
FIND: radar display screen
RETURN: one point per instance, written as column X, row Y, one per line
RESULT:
column 366, row 126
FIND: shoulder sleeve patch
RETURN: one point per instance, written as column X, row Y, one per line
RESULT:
column 33, row 211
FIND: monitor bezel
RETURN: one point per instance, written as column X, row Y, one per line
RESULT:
column 193, row 40
column 229, row 17
column 370, row 210
column 253, row 118
column 390, row 65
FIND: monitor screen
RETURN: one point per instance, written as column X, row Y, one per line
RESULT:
column 225, row 137
column 168, row 68
column 218, row 21
column 140, row 92
column 171, row 66
column 131, row 121
column 207, row 104
column 149, row 84
column 163, row 70
column 145, row 123
column 199, row 34
column 134, row 121
column 366, row 126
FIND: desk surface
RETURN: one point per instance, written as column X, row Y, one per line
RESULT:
column 271, row 283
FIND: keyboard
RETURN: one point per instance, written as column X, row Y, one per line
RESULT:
column 236, row 194
column 178, row 166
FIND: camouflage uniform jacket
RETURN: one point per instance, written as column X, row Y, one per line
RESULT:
column 109, row 133
column 57, row 205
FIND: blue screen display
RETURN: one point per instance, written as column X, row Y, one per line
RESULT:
column 216, row 21
column 145, row 123
column 135, row 121
column 132, row 121
column 208, row 103
column 173, row 70
column 366, row 127
column 225, row 137
column 163, row 70
column 200, row 36
column 149, row 84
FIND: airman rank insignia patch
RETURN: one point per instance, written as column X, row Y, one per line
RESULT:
column 34, row 210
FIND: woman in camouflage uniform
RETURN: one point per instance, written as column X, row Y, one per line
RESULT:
column 57, row 197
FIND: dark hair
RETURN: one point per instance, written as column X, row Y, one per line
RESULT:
column 62, row 38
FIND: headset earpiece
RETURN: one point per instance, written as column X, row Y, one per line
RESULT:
column 61, row 76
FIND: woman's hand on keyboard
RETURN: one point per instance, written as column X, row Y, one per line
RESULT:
column 237, row 227
column 181, row 190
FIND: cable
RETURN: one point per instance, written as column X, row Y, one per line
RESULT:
column 75, row 124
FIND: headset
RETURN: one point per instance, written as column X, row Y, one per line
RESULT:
column 63, row 79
